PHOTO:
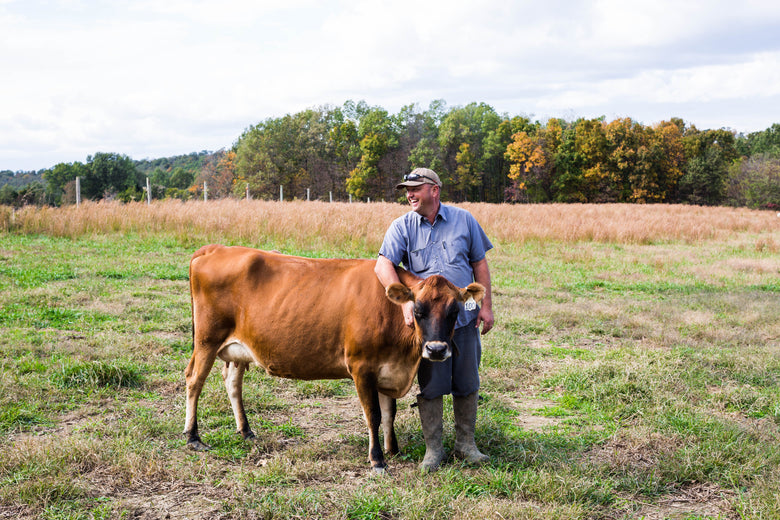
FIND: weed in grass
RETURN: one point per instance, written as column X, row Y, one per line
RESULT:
column 99, row 374
column 278, row 472
column 324, row 388
column 20, row 416
column 377, row 505
column 618, row 390
column 278, row 504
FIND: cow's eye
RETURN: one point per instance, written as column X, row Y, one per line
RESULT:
column 419, row 312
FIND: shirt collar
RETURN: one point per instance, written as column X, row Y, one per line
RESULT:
column 442, row 214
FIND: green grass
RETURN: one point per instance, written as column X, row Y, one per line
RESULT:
column 618, row 378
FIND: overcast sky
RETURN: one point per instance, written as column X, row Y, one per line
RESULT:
column 154, row 78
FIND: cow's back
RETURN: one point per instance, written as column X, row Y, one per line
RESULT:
column 301, row 318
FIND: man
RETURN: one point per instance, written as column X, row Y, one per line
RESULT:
column 435, row 238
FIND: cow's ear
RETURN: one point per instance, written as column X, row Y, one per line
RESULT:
column 474, row 290
column 399, row 294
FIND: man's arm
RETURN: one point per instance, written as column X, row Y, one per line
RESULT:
column 482, row 276
column 385, row 271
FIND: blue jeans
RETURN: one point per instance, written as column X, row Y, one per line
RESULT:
column 459, row 374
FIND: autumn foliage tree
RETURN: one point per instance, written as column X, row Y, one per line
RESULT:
column 362, row 151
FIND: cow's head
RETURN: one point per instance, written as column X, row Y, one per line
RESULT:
column 435, row 311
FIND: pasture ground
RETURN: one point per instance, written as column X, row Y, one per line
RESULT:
column 625, row 378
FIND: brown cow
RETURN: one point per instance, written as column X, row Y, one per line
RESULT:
column 303, row 318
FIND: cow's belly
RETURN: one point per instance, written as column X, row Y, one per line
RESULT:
column 280, row 364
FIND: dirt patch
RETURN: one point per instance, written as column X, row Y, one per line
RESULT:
column 528, row 412
column 695, row 500
column 642, row 453
column 173, row 500
column 633, row 452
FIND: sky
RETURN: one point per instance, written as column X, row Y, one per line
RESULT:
column 152, row 78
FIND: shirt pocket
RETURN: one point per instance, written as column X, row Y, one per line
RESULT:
column 456, row 251
column 419, row 260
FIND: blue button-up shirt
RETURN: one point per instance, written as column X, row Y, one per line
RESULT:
column 447, row 247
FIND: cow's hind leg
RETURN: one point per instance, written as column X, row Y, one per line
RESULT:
column 195, row 375
column 369, row 399
column 233, row 376
column 388, row 406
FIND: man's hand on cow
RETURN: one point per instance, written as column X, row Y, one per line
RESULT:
column 485, row 317
column 408, row 309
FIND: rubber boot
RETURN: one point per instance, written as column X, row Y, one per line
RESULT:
column 431, row 411
column 465, row 409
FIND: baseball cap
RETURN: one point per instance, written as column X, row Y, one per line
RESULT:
column 418, row 177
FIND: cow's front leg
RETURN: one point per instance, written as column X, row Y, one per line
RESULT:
column 388, row 406
column 233, row 377
column 369, row 399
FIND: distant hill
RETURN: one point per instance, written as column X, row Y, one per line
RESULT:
column 192, row 162
column 20, row 179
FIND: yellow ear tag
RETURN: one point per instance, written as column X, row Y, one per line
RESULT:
column 470, row 304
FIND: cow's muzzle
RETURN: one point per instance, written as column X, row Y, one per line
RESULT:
column 436, row 350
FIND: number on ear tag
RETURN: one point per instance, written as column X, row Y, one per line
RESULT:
column 470, row 304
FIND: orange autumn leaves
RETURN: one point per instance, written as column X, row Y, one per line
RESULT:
column 595, row 161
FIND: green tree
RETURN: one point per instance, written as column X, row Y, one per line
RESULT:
column 8, row 195
column 754, row 182
column 344, row 146
column 180, row 178
column 496, row 180
column 585, row 178
column 60, row 175
column 704, row 180
column 764, row 143
column 109, row 174
column 33, row 194
column 423, row 135
column 374, row 176
column 281, row 152
column 471, row 125
column 467, row 174
column 567, row 183
column 709, row 153
column 363, row 180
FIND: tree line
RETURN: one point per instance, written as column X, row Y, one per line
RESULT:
column 361, row 151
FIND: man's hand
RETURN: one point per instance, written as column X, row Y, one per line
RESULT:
column 408, row 309
column 485, row 317
column 385, row 272
column 482, row 275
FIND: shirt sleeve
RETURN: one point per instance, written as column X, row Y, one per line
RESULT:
column 480, row 243
column 395, row 244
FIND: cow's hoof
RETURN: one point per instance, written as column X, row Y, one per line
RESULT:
column 198, row 446
column 248, row 436
column 379, row 470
